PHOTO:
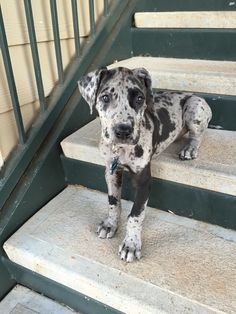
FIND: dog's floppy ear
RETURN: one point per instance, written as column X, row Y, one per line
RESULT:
column 145, row 77
column 88, row 86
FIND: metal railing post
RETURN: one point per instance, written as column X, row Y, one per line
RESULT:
column 11, row 81
column 76, row 26
column 35, row 55
column 57, row 43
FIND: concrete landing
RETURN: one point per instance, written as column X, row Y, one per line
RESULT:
column 21, row 300
column 203, row 76
column 186, row 266
column 214, row 169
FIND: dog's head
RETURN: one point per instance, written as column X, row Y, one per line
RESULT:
column 120, row 96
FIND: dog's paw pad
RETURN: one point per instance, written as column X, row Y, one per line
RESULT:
column 106, row 230
column 129, row 251
column 189, row 152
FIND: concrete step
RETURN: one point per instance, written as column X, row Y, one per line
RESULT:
column 214, row 169
column 203, row 76
column 189, row 19
column 21, row 300
column 186, row 266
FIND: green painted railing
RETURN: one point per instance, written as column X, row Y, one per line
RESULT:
column 35, row 55
column 11, row 81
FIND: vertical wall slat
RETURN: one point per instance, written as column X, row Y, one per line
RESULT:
column 105, row 7
column 57, row 42
column 76, row 26
column 92, row 18
column 11, row 81
column 34, row 51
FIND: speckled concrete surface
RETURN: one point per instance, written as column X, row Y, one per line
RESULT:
column 203, row 19
column 205, row 76
column 21, row 300
column 214, row 169
column 186, row 266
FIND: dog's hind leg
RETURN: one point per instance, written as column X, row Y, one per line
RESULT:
column 108, row 227
column 196, row 116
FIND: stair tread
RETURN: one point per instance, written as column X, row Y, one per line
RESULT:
column 187, row 266
column 206, row 76
column 214, row 169
column 21, row 300
column 186, row 19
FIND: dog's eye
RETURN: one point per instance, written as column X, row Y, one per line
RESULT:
column 106, row 98
column 140, row 99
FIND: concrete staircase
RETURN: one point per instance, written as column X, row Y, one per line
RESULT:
column 187, row 266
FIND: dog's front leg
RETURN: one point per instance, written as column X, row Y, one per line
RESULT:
column 131, row 246
column 108, row 227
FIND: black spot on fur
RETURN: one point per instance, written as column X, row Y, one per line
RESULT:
column 131, row 119
column 119, row 174
column 183, row 100
column 146, row 121
column 135, row 81
column 198, row 122
column 106, row 134
column 142, row 184
column 112, row 90
column 106, row 76
column 112, row 200
column 138, row 150
column 167, row 125
column 157, row 98
column 133, row 94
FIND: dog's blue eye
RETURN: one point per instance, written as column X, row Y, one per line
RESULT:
column 106, row 98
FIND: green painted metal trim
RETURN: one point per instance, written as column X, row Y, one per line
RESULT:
column 211, row 44
column 183, row 5
column 184, row 200
column 58, row 292
column 7, row 282
column 92, row 56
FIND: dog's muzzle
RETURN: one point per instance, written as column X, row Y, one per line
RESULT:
column 123, row 131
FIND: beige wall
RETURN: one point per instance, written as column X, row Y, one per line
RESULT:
column 16, row 29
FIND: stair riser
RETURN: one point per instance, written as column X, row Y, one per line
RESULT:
column 196, row 203
column 206, row 44
column 57, row 291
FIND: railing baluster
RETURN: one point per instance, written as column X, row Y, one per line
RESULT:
column 57, row 42
column 91, row 14
column 34, row 51
column 76, row 26
column 105, row 7
column 11, row 81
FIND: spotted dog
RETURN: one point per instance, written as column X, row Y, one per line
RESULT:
column 137, row 124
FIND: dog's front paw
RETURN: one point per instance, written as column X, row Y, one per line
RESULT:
column 106, row 229
column 188, row 152
column 130, row 249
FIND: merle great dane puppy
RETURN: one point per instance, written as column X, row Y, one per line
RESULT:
column 137, row 124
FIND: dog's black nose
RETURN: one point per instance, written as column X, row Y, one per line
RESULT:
column 123, row 131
